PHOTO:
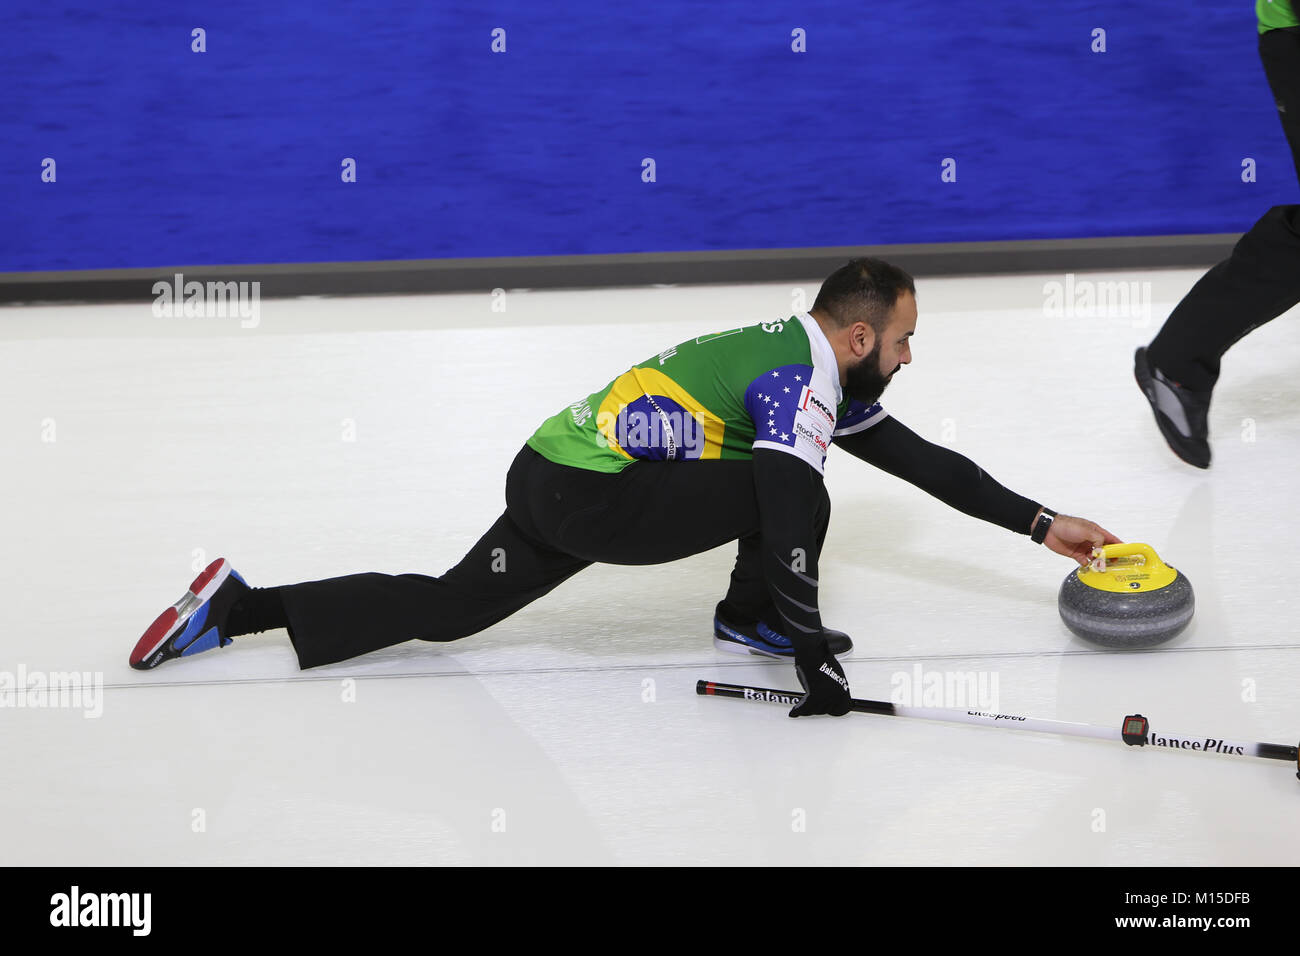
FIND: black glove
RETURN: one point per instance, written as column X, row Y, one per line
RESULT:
column 826, row 690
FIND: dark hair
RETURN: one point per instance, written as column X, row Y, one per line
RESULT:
column 863, row 290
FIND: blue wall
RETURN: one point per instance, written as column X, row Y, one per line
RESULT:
column 169, row 157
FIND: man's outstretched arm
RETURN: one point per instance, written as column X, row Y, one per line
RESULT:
column 788, row 489
column 960, row 483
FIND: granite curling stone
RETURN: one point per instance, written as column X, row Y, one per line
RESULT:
column 1126, row 598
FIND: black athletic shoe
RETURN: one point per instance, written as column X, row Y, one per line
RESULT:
column 758, row 638
column 1181, row 414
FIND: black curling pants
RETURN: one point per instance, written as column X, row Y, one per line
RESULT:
column 1261, row 279
column 558, row 520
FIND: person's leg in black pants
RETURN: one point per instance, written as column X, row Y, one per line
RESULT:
column 1256, row 284
column 1261, row 279
column 558, row 520
column 1279, row 51
column 339, row 618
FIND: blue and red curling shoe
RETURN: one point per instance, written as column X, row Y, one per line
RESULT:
column 196, row 622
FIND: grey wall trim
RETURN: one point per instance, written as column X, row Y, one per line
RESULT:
column 556, row 272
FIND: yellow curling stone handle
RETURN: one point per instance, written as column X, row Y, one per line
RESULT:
column 1127, row 568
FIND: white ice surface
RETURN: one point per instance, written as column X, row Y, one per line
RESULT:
column 139, row 448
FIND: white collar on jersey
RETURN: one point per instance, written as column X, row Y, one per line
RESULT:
column 822, row 354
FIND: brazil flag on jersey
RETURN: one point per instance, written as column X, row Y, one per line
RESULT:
column 719, row 396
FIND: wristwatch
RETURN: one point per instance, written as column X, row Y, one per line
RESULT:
column 1041, row 525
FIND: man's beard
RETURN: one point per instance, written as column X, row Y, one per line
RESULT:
column 864, row 381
